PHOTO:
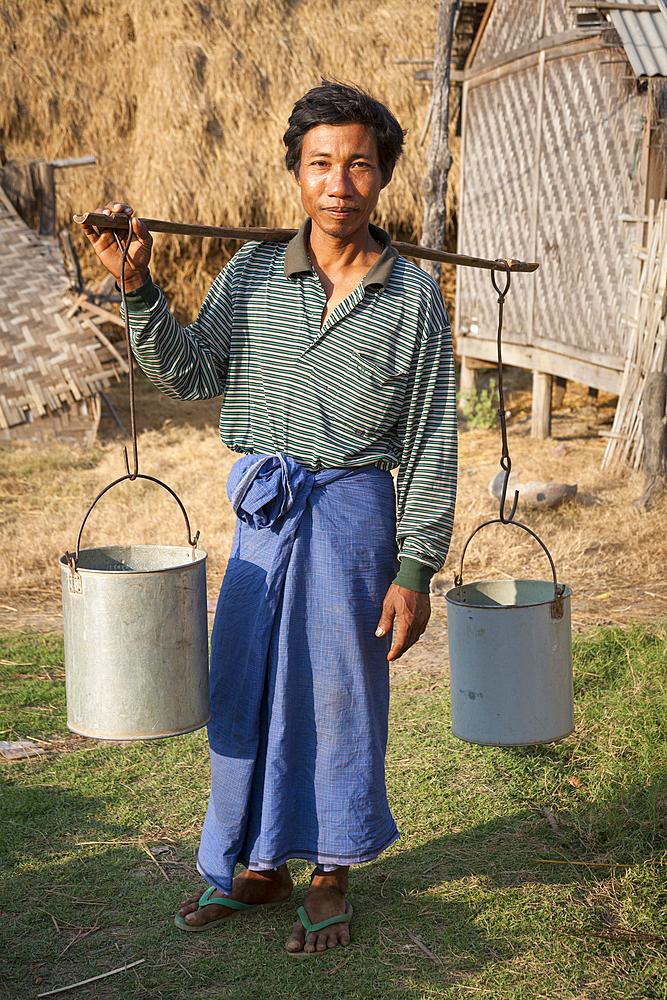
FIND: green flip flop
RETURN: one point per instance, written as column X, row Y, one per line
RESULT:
column 233, row 904
column 342, row 918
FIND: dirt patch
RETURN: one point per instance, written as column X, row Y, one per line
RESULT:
column 611, row 557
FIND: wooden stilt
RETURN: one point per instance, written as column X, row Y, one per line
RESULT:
column 653, row 426
column 540, row 423
column 558, row 391
column 467, row 379
column 47, row 183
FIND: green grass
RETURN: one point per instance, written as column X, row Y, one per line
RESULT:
column 469, row 878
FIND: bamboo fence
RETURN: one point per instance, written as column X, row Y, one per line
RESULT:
column 646, row 343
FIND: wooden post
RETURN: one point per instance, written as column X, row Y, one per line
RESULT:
column 467, row 379
column 540, row 419
column 653, row 424
column 47, row 184
column 558, row 392
column 439, row 158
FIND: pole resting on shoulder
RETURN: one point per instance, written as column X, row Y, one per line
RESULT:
column 246, row 234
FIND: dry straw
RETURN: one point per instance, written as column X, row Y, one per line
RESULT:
column 185, row 104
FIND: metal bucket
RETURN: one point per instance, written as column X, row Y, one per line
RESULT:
column 510, row 662
column 136, row 641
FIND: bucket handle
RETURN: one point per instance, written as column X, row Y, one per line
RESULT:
column 73, row 559
column 557, row 609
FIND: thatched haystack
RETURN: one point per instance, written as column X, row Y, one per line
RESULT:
column 184, row 104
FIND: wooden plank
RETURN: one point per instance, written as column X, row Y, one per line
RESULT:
column 261, row 234
column 523, row 356
column 535, row 214
column 478, row 37
column 528, row 57
column 583, row 354
column 105, row 314
column 107, row 343
column 78, row 161
column 649, row 8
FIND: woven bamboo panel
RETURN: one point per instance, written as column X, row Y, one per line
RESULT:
column 585, row 186
column 512, row 24
column 494, row 216
column 51, row 349
column 560, row 17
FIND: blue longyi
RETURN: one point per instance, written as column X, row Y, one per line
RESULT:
column 299, row 680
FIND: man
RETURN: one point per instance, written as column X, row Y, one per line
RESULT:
column 334, row 356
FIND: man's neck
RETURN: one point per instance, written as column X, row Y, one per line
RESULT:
column 331, row 254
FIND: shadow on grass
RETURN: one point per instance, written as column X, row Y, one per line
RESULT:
column 460, row 908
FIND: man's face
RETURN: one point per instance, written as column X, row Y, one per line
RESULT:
column 339, row 177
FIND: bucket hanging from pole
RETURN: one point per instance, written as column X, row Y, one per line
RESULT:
column 135, row 625
column 510, row 641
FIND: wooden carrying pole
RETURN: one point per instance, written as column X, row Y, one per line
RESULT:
column 244, row 235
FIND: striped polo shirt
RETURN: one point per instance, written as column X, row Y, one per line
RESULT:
column 373, row 385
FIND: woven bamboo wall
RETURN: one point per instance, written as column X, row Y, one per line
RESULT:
column 512, row 24
column 494, row 216
column 589, row 139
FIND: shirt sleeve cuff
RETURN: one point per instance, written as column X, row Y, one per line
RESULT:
column 143, row 297
column 414, row 575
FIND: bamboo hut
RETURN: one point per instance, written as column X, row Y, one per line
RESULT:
column 562, row 152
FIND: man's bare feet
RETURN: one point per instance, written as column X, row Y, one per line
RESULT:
column 324, row 899
column 253, row 888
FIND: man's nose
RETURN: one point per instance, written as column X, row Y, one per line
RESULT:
column 339, row 183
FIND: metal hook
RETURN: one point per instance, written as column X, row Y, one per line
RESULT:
column 508, row 276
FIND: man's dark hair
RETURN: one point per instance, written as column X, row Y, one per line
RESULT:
column 337, row 104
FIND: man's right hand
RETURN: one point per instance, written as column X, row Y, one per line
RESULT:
column 106, row 248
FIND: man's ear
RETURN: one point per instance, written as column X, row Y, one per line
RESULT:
column 295, row 174
column 385, row 182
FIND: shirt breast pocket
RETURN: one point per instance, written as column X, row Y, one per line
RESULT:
column 382, row 387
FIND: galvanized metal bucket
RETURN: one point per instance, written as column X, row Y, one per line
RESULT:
column 510, row 656
column 136, row 636
column 510, row 662
column 136, row 642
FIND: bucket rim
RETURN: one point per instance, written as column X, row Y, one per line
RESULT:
column 530, row 743
column 567, row 593
column 133, row 737
column 200, row 558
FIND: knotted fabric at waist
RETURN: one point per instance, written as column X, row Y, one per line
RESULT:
column 264, row 488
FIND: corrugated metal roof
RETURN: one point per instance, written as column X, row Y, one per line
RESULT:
column 644, row 38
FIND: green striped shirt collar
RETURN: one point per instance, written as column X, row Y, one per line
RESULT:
column 377, row 279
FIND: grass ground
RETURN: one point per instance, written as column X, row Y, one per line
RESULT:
column 521, row 873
